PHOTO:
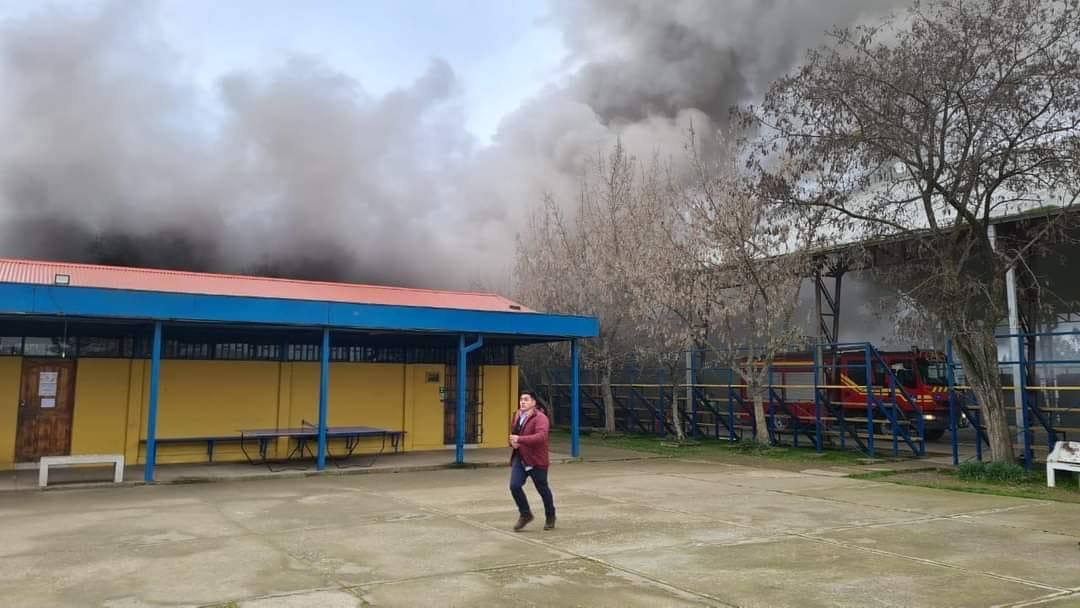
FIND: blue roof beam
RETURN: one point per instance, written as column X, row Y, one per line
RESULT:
column 92, row 302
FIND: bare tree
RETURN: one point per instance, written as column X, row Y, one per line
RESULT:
column 661, row 303
column 926, row 128
column 572, row 263
column 724, row 273
column 536, row 366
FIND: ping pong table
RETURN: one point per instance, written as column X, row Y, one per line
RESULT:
column 308, row 434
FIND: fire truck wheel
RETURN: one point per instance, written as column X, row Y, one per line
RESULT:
column 935, row 435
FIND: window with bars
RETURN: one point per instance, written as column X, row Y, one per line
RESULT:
column 105, row 346
column 48, row 346
column 175, row 349
column 11, row 345
column 302, row 352
column 233, row 346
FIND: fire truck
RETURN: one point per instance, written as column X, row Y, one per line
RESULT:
column 900, row 379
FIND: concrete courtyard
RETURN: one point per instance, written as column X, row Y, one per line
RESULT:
column 633, row 533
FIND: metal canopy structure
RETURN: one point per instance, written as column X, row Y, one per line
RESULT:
column 1039, row 295
column 1046, row 272
column 35, row 292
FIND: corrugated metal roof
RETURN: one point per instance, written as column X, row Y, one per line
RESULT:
column 171, row 281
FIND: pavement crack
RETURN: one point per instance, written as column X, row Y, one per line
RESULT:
column 925, row 561
column 1042, row 601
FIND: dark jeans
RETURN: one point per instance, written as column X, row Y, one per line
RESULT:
column 517, row 484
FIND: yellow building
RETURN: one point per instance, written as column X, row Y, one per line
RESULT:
column 170, row 367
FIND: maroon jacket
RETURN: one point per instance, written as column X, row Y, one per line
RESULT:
column 532, row 440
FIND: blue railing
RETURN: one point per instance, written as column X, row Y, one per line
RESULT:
column 704, row 416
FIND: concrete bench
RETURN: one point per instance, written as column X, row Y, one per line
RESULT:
column 117, row 460
column 1065, row 457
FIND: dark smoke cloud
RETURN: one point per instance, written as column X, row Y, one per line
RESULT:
column 643, row 58
column 112, row 154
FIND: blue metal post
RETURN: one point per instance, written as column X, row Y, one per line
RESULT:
column 817, row 398
column 324, row 395
column 921, row 423
column 869, row 401
column 463, row 359
column 978, row 433
column 954, row 418
column 575, row 399
column 661, row 400
column 1021, row 385
column 770, row 417
column 731, row 404
column 839, row 409
column 691, row 380
column 798, row 429
column 151, row 419
column 895, row 406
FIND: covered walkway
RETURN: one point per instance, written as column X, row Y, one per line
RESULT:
column 142, row 314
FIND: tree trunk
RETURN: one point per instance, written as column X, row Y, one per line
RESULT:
column 979, row 356
column 761, row 433
column 675, row 413
column 609, row 398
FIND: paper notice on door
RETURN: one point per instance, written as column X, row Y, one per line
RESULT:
column 47, row 384
column 48, row 402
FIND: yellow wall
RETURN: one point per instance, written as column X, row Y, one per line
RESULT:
column 10, row 379
column 138, row 396
column 222, row 397
column 101, row 406
column 361, row 394
column 303, row 402
column 213, row 398
column 500, row 401
column 370, row 394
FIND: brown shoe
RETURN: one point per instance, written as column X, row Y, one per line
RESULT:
column 522, row 522
column 549, row 523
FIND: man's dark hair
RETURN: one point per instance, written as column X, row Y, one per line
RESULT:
column 539, row 405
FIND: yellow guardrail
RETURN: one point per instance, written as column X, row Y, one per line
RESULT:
column 684, row 386
column 648, row 386
column 959, row 387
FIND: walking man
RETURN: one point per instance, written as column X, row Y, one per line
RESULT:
column 530, row 459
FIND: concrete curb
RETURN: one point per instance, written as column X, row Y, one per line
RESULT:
column 195, row 479
column 329, row 472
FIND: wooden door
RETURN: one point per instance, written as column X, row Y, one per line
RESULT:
column 46, row 409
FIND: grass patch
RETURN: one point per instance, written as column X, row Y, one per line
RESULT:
column 995, row 479
column 712, row 449
column 997, row 472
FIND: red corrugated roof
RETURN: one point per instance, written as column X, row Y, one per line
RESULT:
column 171, row 281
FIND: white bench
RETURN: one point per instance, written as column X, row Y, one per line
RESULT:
column 1065, row 457
column 117, row 460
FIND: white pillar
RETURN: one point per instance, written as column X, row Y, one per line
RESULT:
column 1014, row 343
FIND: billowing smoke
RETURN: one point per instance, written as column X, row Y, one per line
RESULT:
column 111, row 154
column 644, row 58
column 869, row 312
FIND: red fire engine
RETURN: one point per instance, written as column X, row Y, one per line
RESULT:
column 916, row 376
